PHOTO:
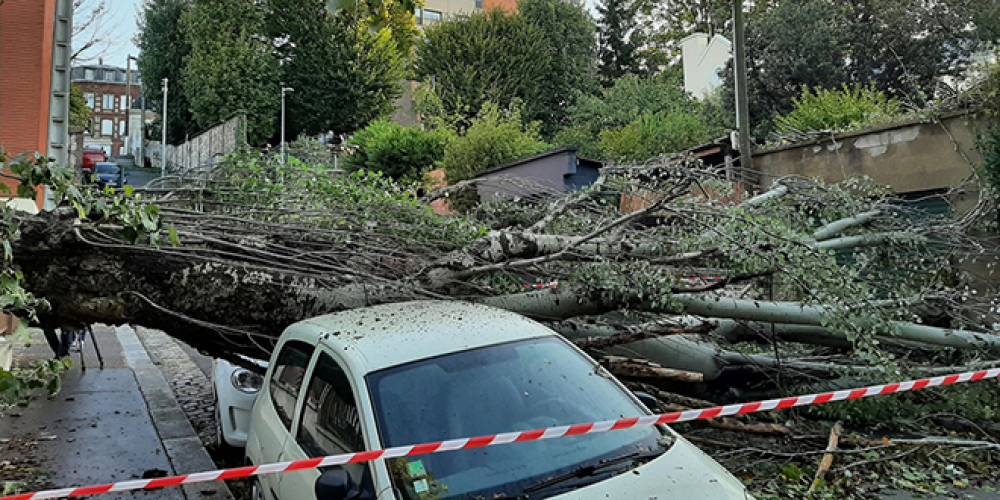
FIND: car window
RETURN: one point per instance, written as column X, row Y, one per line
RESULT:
column 330, row 422
column 286, row 379
column 107, row 168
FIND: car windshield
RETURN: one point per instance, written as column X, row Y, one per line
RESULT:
column 517, row 386
column 107, row 168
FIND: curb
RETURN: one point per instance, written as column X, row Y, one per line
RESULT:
column 183, row 447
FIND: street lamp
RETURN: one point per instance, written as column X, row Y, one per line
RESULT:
column 284, row 90
column 163, row 131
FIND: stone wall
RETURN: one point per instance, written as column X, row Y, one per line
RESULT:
column 909, row 157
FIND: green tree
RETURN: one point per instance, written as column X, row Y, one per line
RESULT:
column 625, row 102
column 672, row 20
column 79, row 112
column 495, row 137
column 485, row 57
column 823, row 109
column 620, row 39
column 901, row 47
column 654, row 134
column 569, row 35
column 164, row 47
column 344, row 72
column 397, row 151
column 231, row 67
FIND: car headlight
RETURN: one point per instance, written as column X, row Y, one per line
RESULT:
column 246, row 381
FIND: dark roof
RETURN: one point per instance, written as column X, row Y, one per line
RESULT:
column 539, row 156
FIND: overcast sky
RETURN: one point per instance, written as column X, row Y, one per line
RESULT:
column 121, row 26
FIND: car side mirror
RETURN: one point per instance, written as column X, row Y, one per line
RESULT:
column 335, row 484
column 647, row 399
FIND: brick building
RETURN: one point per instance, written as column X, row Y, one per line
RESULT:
column 35, row 38
column 112, row 100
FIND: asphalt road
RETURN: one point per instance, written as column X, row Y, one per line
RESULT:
column 138, row 177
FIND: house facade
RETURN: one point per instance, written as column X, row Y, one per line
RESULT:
column 112, row 99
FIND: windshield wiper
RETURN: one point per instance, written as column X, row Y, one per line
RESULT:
column 595, row 469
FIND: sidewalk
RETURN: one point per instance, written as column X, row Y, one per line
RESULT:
column 107, row 425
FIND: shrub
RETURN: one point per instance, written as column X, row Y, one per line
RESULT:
column 396, row 151
column 622, row 105
column 654, row 134
column 849, row 107
column 495, row 137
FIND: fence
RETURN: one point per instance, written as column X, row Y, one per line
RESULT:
column 205, row 148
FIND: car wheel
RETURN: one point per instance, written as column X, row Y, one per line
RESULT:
column 256, row 490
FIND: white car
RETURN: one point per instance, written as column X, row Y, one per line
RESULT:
column 235, row 389
column 417, row 372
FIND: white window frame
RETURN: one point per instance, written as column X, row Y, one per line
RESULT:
column 107, row 127
column 105, row 100
column 91, row 99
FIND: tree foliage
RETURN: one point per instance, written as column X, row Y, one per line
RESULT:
column 900, row 47
column 655, row 134
column 164, row 48
column 848, row 107
column 231, row 68
column 661, row 103
column 495, row 137
column 345, row 71
column 568, row 32
column 484, row 57
column 397, row 151
column 79, row 112
column 620, row 38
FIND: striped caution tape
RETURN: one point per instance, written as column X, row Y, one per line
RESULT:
column 516, row 437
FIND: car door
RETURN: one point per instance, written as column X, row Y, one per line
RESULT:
column 329, row 423
column 274, row 414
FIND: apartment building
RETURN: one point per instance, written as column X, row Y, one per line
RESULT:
column 115, row 102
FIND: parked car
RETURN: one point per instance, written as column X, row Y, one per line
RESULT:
column 409, row 373
column 235, row 389
column 108, row 174
column 92, row 157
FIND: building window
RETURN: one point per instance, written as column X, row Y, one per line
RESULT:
column 107, row 127
column 89, row 96
column 479, row 4
column 89, row 74
column 432, row 16
column 121, row 128
column 108, row 102
column 123, row 102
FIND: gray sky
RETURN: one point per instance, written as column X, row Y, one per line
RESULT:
column 121, row 28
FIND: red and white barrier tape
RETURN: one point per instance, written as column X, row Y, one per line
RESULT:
column 517, row 437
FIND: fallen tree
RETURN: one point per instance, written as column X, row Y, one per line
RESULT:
column 226, row 259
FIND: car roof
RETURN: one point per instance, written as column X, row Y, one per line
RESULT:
column 387, row 335
column 113, row 164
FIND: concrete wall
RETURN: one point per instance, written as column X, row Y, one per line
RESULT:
column 909, row 157
column 702, row 58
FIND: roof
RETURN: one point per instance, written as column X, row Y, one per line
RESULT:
column 522, row 161
column 392, row 334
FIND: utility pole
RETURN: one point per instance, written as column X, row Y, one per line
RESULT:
column 163, row 131
column 128, row 107
column 742, row 108
column 284, row 90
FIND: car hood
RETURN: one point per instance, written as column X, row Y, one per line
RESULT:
column 683, row 471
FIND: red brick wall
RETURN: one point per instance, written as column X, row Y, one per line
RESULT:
column 25, row 75
column 115, row 114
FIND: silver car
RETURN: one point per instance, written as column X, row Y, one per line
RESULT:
column 418, row 372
